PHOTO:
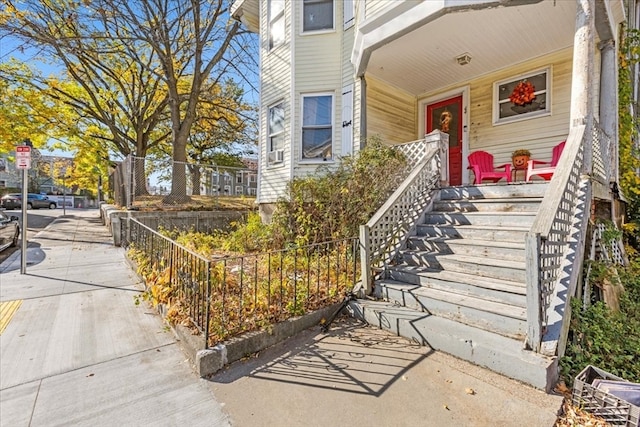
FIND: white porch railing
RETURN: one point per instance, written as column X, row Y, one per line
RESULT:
column 554, row 246
column 386, row 232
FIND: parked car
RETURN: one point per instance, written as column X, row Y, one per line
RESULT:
column 9, row 231
column 34, row 201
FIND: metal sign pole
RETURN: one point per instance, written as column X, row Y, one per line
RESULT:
column 23, row 161
column 25, row 199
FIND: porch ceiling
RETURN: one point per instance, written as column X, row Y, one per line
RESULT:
column 424, row 60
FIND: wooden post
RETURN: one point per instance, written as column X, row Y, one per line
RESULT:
column 365, row 259
column 534, row 304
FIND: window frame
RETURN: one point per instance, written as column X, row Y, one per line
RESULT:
column 331, row 126
column 319, row 30
column 525, row 115
column 279, row 17
column 271, row 135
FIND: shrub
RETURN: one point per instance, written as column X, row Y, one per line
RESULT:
column 334, row 203
column 606, row 338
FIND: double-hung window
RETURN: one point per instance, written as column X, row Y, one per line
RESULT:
column 317, row 129
column 276, row 134
column 276, row 23
column 317, row 15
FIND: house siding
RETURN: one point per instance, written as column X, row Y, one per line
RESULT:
column 540, row 134
column 375, row 7
column 391, row 113
column 275, row 87
column 320, row 67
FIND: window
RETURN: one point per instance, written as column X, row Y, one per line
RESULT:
column 317, row 131
column 3, row 184
column 253, row 178
column 239, row 189
column 348, row 13
column 317, row 15
column 239, row 178
column 276, row 134
column 276, row 23
column 523, row 97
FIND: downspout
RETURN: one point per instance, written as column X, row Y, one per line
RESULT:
column 363, row 112
column 609, row 108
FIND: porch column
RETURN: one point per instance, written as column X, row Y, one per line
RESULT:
column 609, row 99
column 581, row 84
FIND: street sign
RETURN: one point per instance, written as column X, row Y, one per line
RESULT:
column 23, row 157
column 23, row 163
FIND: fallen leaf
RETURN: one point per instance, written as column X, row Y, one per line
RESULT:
column 446, row 407
column 404, row 377
column 90, row 375
column 470, row 391
column 448, row 381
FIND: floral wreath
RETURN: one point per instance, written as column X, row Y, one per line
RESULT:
column 523, row 93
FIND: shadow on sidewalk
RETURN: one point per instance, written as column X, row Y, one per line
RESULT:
column 35, row 255
column 350, row 358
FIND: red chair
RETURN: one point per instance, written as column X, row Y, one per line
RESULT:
column 545, row 172
column 481, row 163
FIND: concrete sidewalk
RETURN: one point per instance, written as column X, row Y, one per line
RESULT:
column 78, row 351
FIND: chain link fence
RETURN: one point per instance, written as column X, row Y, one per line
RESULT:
column 139, row 182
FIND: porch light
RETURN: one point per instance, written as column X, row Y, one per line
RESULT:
column 463, row 59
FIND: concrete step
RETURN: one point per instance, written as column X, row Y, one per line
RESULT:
column 472, row 247
column 530, row 189
column 469, row 308
column 514, row 234
column 493, row 351
column 489, row 205
column 505, row 290
column 487, row 267
column 488, row 219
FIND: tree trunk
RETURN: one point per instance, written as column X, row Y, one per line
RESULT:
column 195, row 179
column 178, row 193
column 139, row 177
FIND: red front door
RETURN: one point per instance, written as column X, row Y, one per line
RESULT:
column 447, row 116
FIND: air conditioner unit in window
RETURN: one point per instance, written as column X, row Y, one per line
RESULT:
column 276, row 156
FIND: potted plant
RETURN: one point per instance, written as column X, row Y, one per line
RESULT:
column 519, row 158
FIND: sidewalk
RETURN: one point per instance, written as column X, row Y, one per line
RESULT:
column 78, row 351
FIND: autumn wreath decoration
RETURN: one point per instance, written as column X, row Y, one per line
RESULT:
column 523, row 93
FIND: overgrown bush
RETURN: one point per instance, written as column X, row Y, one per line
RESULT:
column 606, row 338
column 335, row 202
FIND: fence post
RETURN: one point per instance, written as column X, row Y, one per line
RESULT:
column 365, row 258
column 534, row 305
column 208, row 307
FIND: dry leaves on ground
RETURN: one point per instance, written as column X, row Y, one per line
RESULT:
column 576, row 417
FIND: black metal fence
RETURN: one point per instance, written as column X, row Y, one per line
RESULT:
column 228, row 296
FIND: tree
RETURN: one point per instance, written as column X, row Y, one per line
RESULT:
column 220, row 136
column 134, row 70
column 191, row 38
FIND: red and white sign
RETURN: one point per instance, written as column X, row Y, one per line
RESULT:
column 23, row 157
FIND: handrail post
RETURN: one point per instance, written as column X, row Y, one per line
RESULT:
column 365, row 259
column 534, row 304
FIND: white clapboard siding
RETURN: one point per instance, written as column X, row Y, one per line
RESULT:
column 391, row 113
column 275, row 74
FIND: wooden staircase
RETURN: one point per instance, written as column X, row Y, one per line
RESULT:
column 459, row 284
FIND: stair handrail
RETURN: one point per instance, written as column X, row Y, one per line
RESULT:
column 547, row 244
column 387, row 230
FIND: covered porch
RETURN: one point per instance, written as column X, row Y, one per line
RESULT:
column 453, row 66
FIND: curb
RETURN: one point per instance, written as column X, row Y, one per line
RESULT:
column 208, row 361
